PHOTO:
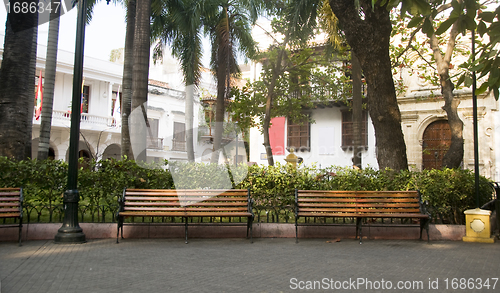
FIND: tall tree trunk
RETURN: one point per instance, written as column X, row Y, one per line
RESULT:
column 369, row 36
column 142, row 32
column 48, row 85
column 219, row 107
column 222, row 85
column 189, row 121
column 357, row 112
column 277, row 70
column 31, row 80
column 16, row 87
column 454, row 156
column 127, row 80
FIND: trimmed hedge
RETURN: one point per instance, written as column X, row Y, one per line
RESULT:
column 449, row 192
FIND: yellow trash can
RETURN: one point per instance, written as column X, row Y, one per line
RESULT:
column 477, row 226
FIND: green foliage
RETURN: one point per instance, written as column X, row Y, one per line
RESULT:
column 103, row 182
column 449, row 192
column 488, row 62
column 200, row 175
column 275, row 185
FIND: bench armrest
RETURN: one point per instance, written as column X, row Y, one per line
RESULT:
column 121, row 204
column 423, row 205
column 296, row 203
column 21, row 200
column 250, row 203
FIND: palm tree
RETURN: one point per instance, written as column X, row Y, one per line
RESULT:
column 179, row 24
column 50, row 78
column 17, row 84
column 229, row 30
column 127, row 80
column 140, row 75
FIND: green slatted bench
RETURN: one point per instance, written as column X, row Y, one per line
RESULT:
column 360, row 205
column 11, row 207
column 161, row 203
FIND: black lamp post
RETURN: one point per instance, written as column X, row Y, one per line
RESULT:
column 475, row 123
column 70, row 232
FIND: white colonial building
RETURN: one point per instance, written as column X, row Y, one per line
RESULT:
column 424, row 124
column 100, row 127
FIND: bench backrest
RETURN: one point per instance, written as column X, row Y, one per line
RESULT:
column 172, row 200
column 11, row 202
column 360, row 202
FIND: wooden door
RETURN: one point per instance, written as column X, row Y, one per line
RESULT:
column 436, row 142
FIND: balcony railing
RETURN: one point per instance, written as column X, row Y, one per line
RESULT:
column 178, row 145
column 155, row 143
column 86, row 119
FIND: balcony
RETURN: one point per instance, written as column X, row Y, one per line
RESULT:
column 178, row 145
column 87, row 121
column 155, row 143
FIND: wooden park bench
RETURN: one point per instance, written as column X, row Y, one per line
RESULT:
column 360, row 205
column 11, row 207
column 163, row 203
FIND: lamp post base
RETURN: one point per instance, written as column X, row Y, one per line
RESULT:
column 70, row 232
column 70, row 235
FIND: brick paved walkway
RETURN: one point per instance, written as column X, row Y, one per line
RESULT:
column 235, row 265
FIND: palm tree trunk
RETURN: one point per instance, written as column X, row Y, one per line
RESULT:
column 138, row 134
column 219, row 109
column 16, row 87
column 48, row 86
column 189, row 122
column 357, row 112
column 222, row 75
column 127, row 80
column 31, row 80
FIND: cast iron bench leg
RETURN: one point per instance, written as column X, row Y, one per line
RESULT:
column 251, row 230
column 186, row 229
column 424, row 224
column 359, row 229
column 20, row 231
column 296, row 238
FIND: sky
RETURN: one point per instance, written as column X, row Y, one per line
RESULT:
column 105, row 33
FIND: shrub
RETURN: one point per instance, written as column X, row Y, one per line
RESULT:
column 449, row 192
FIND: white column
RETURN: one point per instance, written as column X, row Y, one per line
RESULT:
column 110, row 99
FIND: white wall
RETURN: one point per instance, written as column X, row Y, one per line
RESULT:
column 325, row 141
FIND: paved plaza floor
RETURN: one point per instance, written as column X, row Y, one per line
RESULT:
column 236, row 265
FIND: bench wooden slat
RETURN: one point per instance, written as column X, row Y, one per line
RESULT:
column 177, row 204
column 9, row 204
column 354, row 200
column 127, row 208
column 10, row 215
column 184, row 199
column 10, row 198
column 6, row 191
column 358, row 215
column 185, row 214
column 8, row 210
column 334, row 205
column 187, row 192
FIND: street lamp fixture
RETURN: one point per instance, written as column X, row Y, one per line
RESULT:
column 70, row 232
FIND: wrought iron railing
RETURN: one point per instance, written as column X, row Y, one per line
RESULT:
column 107, row 213
column 178, row 145
column 155, row 143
